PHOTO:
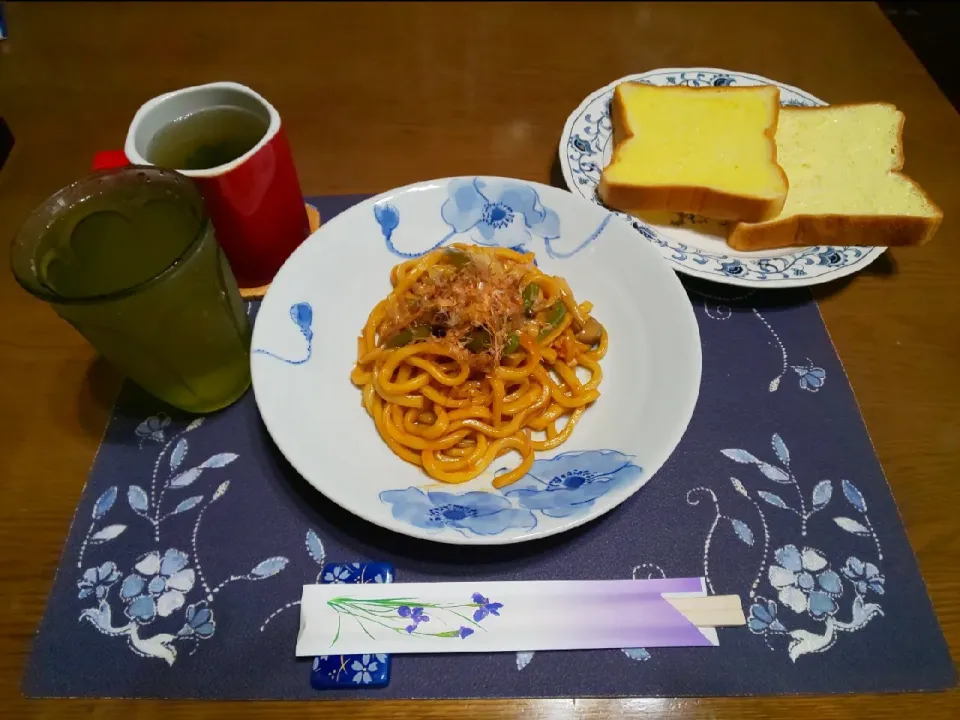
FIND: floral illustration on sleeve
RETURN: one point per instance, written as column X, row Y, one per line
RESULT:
column 407, row 616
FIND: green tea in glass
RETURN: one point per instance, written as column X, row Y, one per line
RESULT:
column 129, row 258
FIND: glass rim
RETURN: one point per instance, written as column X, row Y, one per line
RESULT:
column 49, row 207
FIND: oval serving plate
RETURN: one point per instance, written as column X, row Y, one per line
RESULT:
column 696, row 245
column 305, row 345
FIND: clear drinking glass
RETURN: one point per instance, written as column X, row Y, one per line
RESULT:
column 129, row 258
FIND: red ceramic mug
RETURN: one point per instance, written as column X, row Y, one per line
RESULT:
column 254, row 201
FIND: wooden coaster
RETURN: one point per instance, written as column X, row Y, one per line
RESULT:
column 313, row 215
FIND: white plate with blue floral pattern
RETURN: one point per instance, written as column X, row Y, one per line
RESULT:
column 695, row 245
column 305, row 344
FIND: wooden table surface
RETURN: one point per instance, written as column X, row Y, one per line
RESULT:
column 377, row 96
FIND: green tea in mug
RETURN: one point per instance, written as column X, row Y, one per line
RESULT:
column 206, row 138
column 128, row 257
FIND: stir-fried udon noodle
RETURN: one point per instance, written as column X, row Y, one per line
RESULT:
column 473, row 354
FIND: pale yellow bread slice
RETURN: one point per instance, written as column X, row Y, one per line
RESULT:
column 707, row 151
column 843, row 164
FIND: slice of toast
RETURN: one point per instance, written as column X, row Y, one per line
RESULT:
column 843, row 164
column 708, row 151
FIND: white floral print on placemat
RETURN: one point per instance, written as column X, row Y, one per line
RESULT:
column 167, row 580
column 810, row 377
column 811, row 602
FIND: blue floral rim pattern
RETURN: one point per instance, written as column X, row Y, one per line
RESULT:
column 492, row 212
column 587, row 136
column 565, row 485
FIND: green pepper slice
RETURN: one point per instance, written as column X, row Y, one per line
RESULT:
column 408, row 335
column 555, row 316
column 457, row 258
column 478, row 340
column 529, row 295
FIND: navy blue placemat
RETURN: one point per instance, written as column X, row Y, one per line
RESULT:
column 193, row 538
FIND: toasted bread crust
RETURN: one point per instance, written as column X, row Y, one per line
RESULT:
column 709, row 202
column 864, row 230
column 809, row 230
column 699, row 201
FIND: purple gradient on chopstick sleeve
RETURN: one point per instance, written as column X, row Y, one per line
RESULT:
column 618, row 615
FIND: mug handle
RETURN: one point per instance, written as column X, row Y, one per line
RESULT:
column 109, row 159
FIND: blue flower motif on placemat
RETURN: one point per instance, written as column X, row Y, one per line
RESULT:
column 152, row 428
column 865, row 576
column 482, row 513
column 570, row 482
column 811, row 377
column 97, row 580
column 763, row 617
column 804, row 581
column 199, row 622
column 159, row 584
